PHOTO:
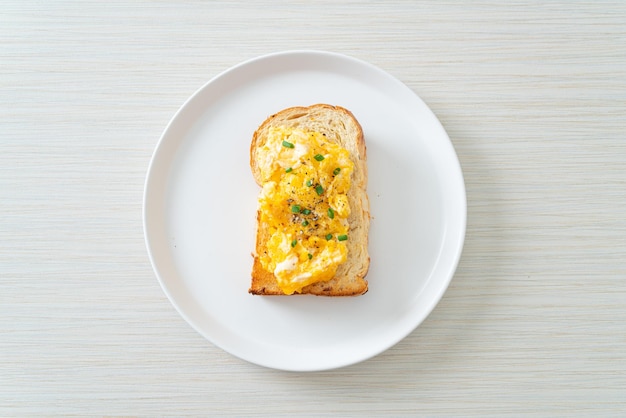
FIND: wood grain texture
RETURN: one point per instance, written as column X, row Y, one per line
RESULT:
column 533, row 97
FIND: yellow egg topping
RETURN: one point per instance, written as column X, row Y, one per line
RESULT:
column 304, row 203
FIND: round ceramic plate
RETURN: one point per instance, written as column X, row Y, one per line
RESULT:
column 200, row 212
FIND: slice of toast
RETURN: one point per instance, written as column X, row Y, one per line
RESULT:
column 340, row 126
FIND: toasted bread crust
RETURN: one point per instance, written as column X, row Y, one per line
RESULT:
column 340, row 126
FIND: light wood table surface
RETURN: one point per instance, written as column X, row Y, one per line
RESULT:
column 533, row 96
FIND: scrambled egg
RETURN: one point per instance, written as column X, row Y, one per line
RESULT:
column 304, row 203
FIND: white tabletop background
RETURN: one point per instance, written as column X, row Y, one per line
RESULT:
column 533, row 96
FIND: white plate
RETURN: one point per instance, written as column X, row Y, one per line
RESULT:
column 200, row 206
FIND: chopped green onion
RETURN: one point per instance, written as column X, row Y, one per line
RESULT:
column 336, row 171
column 331, row 213
column 294, row 242
column 305, row 222
column 342, row 237
column 309, row 183
column 319, row 157
column 329, row 237
column 319, row 189
column 289, row 170
column 287, row 144
column 310, row 255
column 295, row 209
column 306, row 211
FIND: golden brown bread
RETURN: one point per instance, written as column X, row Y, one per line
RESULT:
column 341, row 127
